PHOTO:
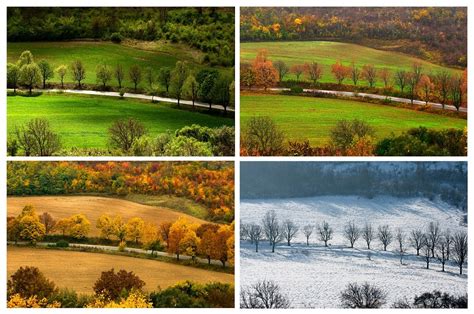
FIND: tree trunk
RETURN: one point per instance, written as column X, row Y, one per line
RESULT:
column 273, row 247
column 307, row 241
column 256, row 246
column 209, row 260
column 460, row 269
column 177, row 256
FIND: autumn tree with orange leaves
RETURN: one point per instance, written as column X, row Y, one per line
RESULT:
column 265, row 74
column 314, row 71
column 340, row 72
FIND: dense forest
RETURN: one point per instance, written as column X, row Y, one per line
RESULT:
column 208, row 183
column 210, row 30
column 435, row 34
column 448, row 181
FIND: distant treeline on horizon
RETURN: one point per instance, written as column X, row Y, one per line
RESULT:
column 444, row 180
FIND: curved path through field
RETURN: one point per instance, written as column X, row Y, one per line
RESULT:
column 372, row 96
column 80, row 270
column 138, row 96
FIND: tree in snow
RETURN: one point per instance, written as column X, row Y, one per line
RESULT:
column 290, row 229
column 325, row 232
column 401, row 243
column 255, row 234
column 426, row 249
column 385, row 236
column 433, row 234
column 362, row 296
column 263, row 295
column 460, row 249
column 308, row 231
column 272, row 229
column 351, row 232
column 368, row 234
column 441, row 250
column 244, row 232
column 416, row 239
column 449, row 242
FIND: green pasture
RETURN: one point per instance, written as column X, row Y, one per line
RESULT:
column 312, row 118
column 83, row 121
column 92, row 54
column 327, row 53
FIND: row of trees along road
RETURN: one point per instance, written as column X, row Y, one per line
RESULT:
column 207, row 85
column 441, row 86
column 432, row 242
column 181, row 237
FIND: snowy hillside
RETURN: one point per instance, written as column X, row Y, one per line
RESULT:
column 313, row 276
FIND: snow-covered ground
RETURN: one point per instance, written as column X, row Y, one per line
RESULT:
column 313, row 276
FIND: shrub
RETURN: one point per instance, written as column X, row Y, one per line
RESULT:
column 116, row 38
column 113, row 285
column 12, row 147
column 62, row 243
column 345, row 133
column 187, row 146
column 296, row 90
column 264, row 294
column 28, row 282
column 223, row 141
column 362, row 296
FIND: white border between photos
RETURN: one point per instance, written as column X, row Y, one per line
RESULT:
column 205, row 3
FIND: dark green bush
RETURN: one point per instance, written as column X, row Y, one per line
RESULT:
column 116, row 38
column 62, row 243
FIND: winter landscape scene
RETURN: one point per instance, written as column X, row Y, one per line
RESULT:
column 353, row 235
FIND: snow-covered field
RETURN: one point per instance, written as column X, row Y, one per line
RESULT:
column 313, row 276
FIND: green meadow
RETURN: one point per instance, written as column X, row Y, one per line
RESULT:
column 327, row 53
column 92, row 53
column 312, row 118
column 83, row 121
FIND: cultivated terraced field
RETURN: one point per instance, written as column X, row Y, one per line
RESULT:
column 93, row 207
column 328, row 53
column 92, row 54
column 80, row 270
column 312, row 118
column 83, row 121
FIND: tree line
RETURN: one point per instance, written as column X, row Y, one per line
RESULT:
column 28, row 287
column 267, row 294
column 442, row 86
column 432, row 242
column 126, row 137
column 208, row 184
column 433, row 33
column 208, row 85
column 210, row 30
column 180, row 237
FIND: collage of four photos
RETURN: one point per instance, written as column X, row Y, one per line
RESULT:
column 126, row 127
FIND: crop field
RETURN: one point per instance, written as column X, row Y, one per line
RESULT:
column 312, row 118
column 93, row 207
column 83, row 121
column 80, row 270
column 92, row 54
column 327, row 53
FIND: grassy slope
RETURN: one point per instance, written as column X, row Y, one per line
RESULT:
column 312, row 118
column 328, row 53
column 93, row 207
column 83, row 121
column 154, row 55
column 80, row 270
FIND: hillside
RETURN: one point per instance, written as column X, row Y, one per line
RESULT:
column 327, row 53
column 315, row 275
column 93, row 207
column 80, row 270
column 438, row 34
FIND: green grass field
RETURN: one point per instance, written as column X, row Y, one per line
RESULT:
column 328, row 53
column 83, row 121
column 154, row 55
column 312, row 118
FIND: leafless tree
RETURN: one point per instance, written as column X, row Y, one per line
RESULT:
column 78, row 72
column 256, row 234
column 449, row 242
column 433, row 234
column 263, row 295
column 245, row 232
column 385, row 236
column 37, row 138
column 290, row 229
column 401, row 243
column 308, row 231
column 272, row 229
column 401, row 79
column 369, row 73
column 441, row 251
column 355, row 73
column 368, row 234
column 426, row 250
column 135, row 74
column 362, row 296
column 442, row 81
column 48, row 221
column 351, row 232
column 460, row 249
column 325, row 232
column 119, row 74
column 416, row 239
